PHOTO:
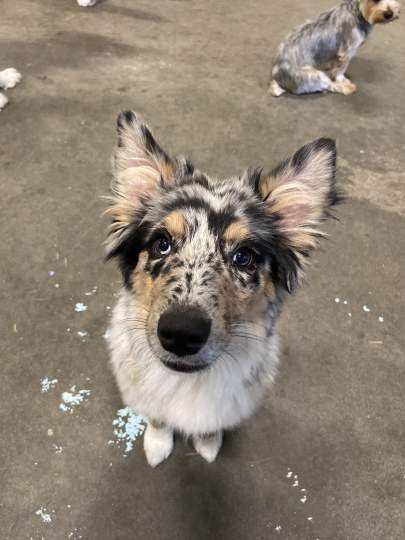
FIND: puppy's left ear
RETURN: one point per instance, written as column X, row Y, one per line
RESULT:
column 298, row 194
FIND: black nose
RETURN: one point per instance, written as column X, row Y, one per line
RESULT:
column 388, row 14
column 183, row 330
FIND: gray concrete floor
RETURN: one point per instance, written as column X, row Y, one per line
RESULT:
column 197, row 71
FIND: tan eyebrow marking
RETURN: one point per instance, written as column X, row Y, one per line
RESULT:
column 236, row 231
column 175, row 224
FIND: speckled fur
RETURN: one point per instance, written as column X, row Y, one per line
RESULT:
column 277, row 214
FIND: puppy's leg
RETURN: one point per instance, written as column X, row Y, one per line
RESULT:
column 157, row 443
column 208, row 446
column 3, row 100
column 343, row 85
column 9, row 78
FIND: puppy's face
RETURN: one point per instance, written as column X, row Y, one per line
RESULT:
column 380, row 11
column 208, row 260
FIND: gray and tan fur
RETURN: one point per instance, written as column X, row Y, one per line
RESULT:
column 315, row 57
column 206, row 264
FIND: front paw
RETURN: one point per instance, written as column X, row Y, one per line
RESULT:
column 344, row 86
column 86, row 3
column 3, row 101
column 208, row 446
column 158, row 444
column 9, row 78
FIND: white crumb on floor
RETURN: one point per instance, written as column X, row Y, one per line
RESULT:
column 108, row 308
column 278, row 528
column 302, row 492
column 88, row 293
column 381, row 318
column 366, row 309
column 310, row 518
column 80, row 307
column 82, row 334
column 337, row 300
column 47, row 384
column 58, row 449
column 44, row 514
column 349, row 314
column 51, row 273
column 345, row 302
column 70, row 400
column 50, row 432
column 75, row 534
column 106, row 334
column 15, row 328
column 56, row 285
column 128, row 426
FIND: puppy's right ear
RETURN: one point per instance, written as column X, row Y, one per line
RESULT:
column 140, row 168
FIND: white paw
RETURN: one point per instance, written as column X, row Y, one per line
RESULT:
column 86, row 3
column 158, row 444
column 275, row 89
column 9, row 78
column 3, row 101
column 208, row 447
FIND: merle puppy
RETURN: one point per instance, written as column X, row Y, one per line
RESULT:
column 206, row 265
column 315, row 57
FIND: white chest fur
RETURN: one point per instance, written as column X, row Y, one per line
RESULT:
column 205, row 402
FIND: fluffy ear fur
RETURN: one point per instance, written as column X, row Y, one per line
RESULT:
column 298, row 193
column 140, row 168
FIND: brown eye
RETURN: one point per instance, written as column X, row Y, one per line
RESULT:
column 243, row 258
column 162, row 246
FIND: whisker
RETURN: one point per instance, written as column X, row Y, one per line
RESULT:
column 249, row 337
column 246, row 322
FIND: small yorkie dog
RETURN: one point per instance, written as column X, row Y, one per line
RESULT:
column 315, row 57
column 206, row 265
